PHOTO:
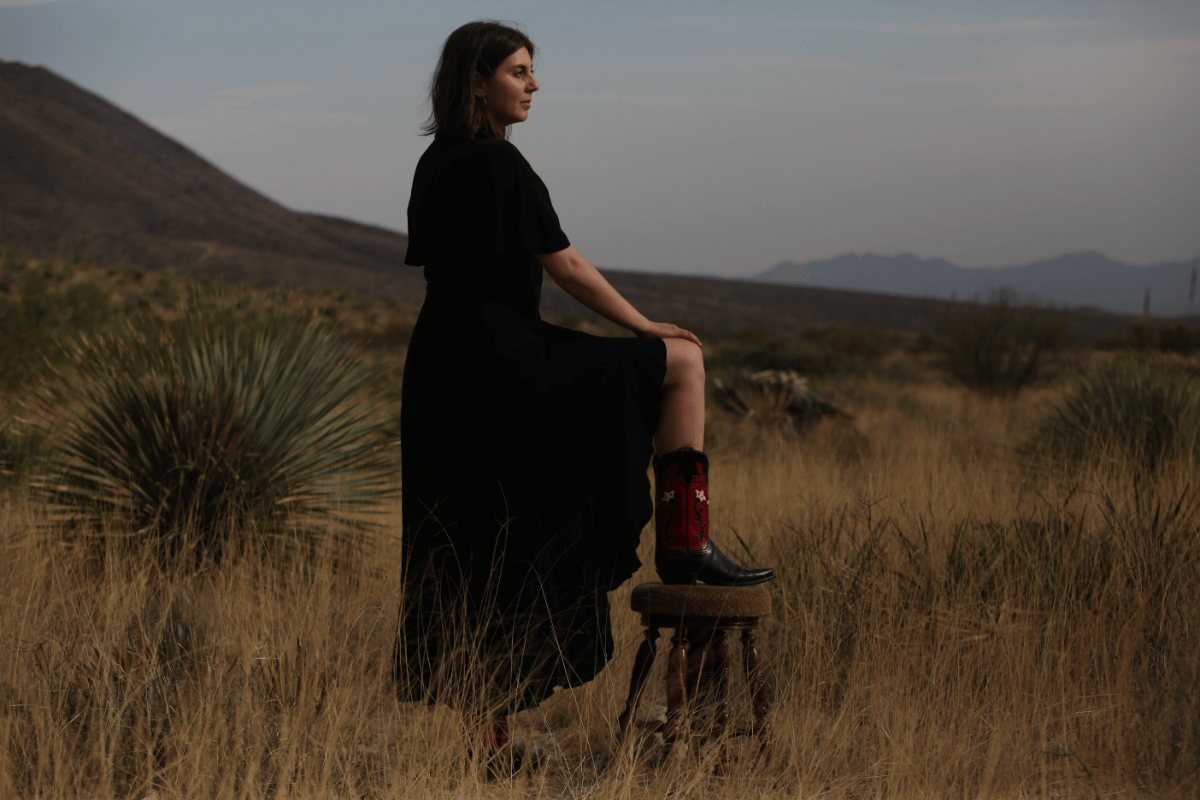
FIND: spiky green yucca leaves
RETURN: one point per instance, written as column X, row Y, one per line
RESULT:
column 1136, row 411
column 188, row 432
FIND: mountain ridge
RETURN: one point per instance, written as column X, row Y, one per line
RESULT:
column 1072, row 280
column 82, row 176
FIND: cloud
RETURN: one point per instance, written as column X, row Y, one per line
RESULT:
column 11, row 3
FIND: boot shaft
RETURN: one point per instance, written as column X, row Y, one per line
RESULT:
column 681, row 500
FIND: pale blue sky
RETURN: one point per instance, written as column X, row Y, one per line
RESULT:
column 711, row 138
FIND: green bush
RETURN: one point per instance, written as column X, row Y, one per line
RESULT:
column 187, row 433
column 35, row 310
column 1000, row 347
column 1134, row 410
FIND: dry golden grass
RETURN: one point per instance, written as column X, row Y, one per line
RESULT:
column 947, row 625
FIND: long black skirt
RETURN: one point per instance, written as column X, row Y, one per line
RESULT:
column 524, row 454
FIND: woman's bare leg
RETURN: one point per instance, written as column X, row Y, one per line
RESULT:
column 683, row 551
column 681, row 423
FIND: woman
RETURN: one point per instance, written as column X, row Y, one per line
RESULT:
column 525, row 444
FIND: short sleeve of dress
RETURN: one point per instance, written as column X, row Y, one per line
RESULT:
column 479, row 199
column 526, row 217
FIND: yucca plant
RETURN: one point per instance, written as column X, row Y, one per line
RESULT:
column 183, row 433
column 1140, row 411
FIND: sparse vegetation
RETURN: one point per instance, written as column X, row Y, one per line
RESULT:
column 807, row 358
column 209, row 424
column 1132, row 411
column 756, row 334
column 1001, row 346
column 22, row 450
column 1144, row 336
column 856, row 341
column 950, row 619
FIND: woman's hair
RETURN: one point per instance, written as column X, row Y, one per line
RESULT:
column 479, row 46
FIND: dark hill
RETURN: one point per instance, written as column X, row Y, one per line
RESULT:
column 722, row 306
column 80, row 176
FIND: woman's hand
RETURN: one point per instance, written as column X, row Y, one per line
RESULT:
column 665, row 330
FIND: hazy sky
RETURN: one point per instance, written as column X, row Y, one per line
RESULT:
column 710, row 138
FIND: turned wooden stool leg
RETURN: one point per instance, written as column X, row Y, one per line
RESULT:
column 641, row 671
column 677, row 664
column 719, row 675
column 755, row 680
column 698, row 663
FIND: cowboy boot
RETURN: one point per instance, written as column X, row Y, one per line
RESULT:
column 684, row 553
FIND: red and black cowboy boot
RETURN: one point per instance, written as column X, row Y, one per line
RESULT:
column 684, row 553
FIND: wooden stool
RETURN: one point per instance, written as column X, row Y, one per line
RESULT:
column 700, row 615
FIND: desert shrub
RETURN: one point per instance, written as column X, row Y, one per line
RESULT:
column 87, row 305
column 126, row 272
column 696, row 327
column 806, row 358
column 1142, row 335
column 756, row 334
column 36, row 309
column 859, row 341
column 1135, row 410
column 1001, row 346
column 213, row 424
column 778, row 403
column 394, row 334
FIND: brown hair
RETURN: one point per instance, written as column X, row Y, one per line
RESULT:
column 479, row 46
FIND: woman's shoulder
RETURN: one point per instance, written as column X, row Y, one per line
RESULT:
column 497, row 152
column 500, row 153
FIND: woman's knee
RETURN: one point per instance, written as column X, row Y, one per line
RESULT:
column 685, row 363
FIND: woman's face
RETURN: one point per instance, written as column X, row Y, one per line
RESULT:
column 510, row 91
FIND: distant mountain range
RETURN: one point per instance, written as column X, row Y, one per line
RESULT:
column 1072, row 280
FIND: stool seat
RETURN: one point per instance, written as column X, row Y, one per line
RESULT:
column 699, row 600
column 701, row 617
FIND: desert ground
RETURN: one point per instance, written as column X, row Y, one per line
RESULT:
column 961, row 609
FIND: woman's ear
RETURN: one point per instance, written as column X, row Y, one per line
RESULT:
column 478, row 86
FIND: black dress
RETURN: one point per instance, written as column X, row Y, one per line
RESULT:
column 525, row 445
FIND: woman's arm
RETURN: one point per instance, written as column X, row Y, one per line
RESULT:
column 578, row 278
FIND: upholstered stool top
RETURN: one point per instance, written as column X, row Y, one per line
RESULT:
column 700, row 600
